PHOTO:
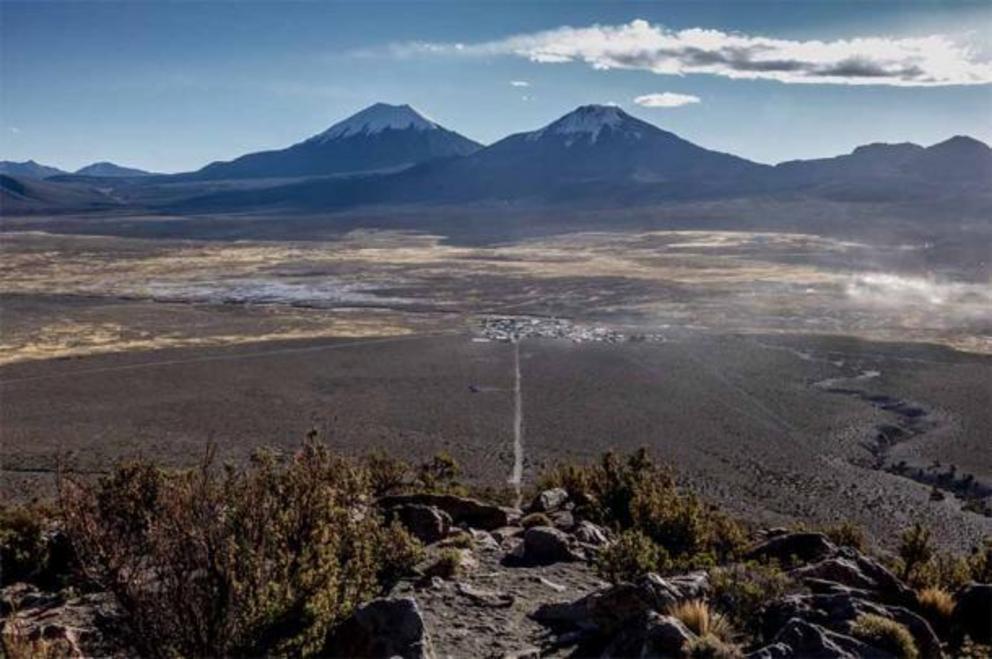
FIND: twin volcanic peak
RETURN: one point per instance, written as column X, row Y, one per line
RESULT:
column 380, row 138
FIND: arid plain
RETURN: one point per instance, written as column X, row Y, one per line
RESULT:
column 788, row 376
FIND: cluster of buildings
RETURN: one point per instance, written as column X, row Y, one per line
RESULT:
column 507, row 328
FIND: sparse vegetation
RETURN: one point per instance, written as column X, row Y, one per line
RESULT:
column 632, row 555
column 458, row 540
column 221, row 562
column 741, row 591
column 937, row 606
column 886, row 634
column 634, row 493
column 702, row 620
column 447, row 565
column 23, row 551
column 916, row 548
column 847, row 534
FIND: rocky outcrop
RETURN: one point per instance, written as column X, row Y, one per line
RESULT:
column 803, row 640
column 973, row 612
column 855, row 572
column 382, row 628
column 837, row 612
column 603, row 613
column 427, row 523
column 589, row 534
column 462, row 510
column 788, row 548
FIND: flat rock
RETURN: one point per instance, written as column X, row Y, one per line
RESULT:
column 549, row 500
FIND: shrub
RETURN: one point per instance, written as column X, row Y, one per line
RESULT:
column 847, row 534
column 740, row 591
column 16, row 643
column 980, row 562
column 440, row 474
column 536, row 519
column 710, row 647
column 23, row 548
column 208, row 562
column 937, row 606
column 387, row 475
column 634, row 493
column 885, row 634
column 916, row 548
column 702, row 620
column 631, row 556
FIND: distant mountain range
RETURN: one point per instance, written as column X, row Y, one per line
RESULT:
column 379, row 138
column 594, row 156
column 31, row 169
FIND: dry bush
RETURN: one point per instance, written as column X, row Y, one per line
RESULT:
column 633, row 493
column 980, row 562
column 211, row 562
column 16, row 643
column 631, row 556
column 459, row 540
column 387, row 475
column 741, row 591
column 885, row 634
column 916, row 548
column 937, row 606
column 440, row 474
column 702, row 620
column 535, row 519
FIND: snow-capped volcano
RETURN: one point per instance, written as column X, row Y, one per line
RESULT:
column 375, row 119
column 379, row 138
column 587, row 121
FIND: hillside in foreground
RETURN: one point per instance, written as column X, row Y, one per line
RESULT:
column 315, row 555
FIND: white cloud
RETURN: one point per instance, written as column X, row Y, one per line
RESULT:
column 519, row 83
column 666, row 100
column 879, row 60
column 15, row 130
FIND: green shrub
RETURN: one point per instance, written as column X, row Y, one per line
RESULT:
column 440, row 474
column 885, row 634
column 916, row 548
column 742, row 590
column 387, row 475
column 631, row 556
column 633, row 493
column 536, row 519
column 209, row 562
column 23, row 548
column 847, row 534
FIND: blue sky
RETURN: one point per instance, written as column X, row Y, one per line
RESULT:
column 172, row 86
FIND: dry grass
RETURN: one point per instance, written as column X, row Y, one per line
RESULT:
column 885, row 634
column 937, row 606
column 702, row 620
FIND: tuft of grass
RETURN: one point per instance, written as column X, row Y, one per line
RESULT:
column 447, row 565
column 703, row 620
column 847, row 534
column 459, row 540
column 937, row 606
column 885, row 634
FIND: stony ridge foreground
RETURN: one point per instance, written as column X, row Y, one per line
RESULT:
column 490, row 587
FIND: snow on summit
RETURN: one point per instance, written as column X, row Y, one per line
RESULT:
column 377, row 118
column 585, row 120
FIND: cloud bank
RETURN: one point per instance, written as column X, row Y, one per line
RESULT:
column 666, row 100
column 934, row 60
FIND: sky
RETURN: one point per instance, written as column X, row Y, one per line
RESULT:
column 171, row 86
